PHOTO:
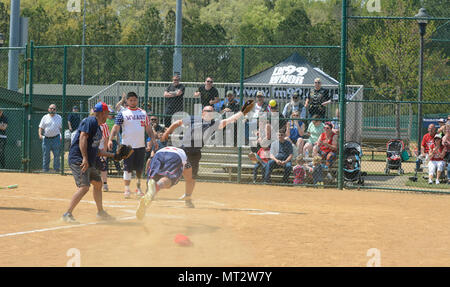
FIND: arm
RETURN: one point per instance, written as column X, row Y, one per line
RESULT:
column 40, row 131
column 114, row 133
column 170, row 130
column 230, row 120
column 120, row 103
column 151, row 134
column 83, row 148
column 70, row 126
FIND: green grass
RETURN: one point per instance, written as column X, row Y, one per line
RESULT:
column 422, row 183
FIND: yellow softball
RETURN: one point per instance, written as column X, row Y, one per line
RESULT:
column 272, row 103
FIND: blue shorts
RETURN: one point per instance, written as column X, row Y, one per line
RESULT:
column 166, row 164
column 135, row 161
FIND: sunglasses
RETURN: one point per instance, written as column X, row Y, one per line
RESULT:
column 317, row 82
column 209, row 81
column 153, row 120
column 52, row 108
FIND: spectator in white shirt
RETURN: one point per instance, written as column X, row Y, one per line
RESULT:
column 50, row 133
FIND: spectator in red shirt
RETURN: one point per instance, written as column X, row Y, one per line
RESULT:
column 436, row 155
column 327, row 144
column 427, row 141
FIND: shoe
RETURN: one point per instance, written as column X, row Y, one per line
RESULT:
column 189, row 203
column 127, row 194
column 182, row 197
column 68, row 217
column 430, row 181
column 105, row 188
column 139, row 193
column 146, row 200
column 437, row 181
column 103, row 215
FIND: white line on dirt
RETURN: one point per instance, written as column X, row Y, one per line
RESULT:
column 61, row 227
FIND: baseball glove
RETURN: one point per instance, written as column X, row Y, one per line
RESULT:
column 123, row 152
column 247, row 107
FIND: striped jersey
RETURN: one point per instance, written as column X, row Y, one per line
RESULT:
column 105, row 135
column 133, row 123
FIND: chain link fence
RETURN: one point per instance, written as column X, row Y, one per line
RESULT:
column 401, row 113
column 384, row 118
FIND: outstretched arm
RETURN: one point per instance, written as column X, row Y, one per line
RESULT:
column 170, row 130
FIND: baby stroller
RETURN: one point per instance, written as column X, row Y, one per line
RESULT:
column 394, row 149
column 352, row 163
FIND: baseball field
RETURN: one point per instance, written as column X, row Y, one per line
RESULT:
column 232, row 225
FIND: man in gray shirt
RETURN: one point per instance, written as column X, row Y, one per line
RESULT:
column 281, row 153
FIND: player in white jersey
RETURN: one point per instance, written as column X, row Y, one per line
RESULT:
column 134, row 123
column 166, row 168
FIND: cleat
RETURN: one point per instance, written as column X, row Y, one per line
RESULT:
column 105, row 188
column 139, row 193
column 189, row 203
column 68, row 217
column 127, row 194
column 103, row 215
column 146, row 200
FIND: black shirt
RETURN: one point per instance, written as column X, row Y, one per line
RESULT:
column 193, row 125
column 316, row 99
column 207, row 95
column 174, row 104
column 74, row 120
column 233, row 105
column 3, row 120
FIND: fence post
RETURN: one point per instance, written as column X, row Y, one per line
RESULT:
column 30, row 105
column 342, row 92
column 24, row 112
column 64, row 117
column 147, row 75
column 241, row 101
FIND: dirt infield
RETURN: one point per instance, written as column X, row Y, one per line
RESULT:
column 232, row 225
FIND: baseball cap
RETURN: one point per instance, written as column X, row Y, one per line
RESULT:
column 438, row 136
column 259, row 93
column 76, row 107
column 441, row 120
column 100, row 107
column 230, row 92
column 295, row 95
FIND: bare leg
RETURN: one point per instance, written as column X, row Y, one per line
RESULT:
column 98, row 194
column 190, row 182
column 76, row 198
column 300, row 144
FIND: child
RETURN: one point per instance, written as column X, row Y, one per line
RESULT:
column 262, row 157
column 316, row 170
column 299, row 170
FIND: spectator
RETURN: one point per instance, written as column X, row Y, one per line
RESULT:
column 446, row 144
column 295, row 129
column 335, row 122
column 317, row 99
column 294, row 105
column 208, row 94
column 436, row 155
column 280, row 156
column 441, row 129
column 315, row 129
column 299, row 170
column 50, row 134
column 276, row 118
column 327, row 145
column 230, row 104
column 155, row 124
column 73, row 121
column 316, row 170
column 262, row 157
column 427, row 141
column 174, row 99
column 3, row 127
